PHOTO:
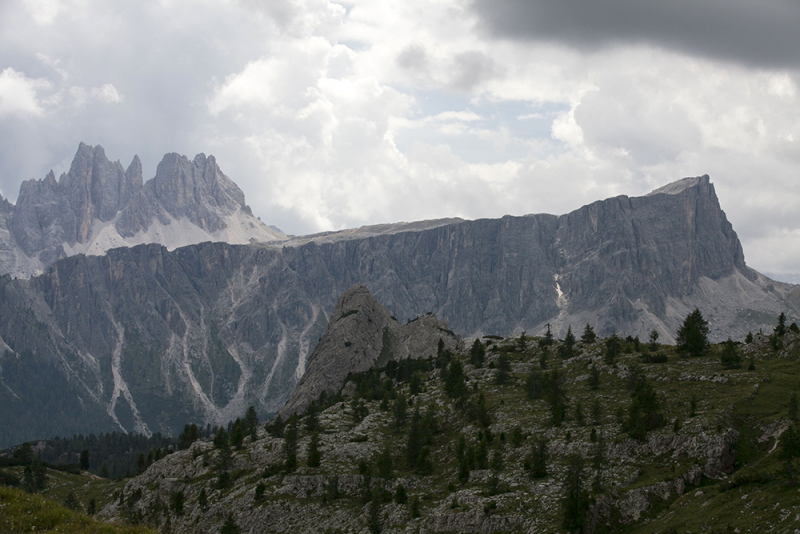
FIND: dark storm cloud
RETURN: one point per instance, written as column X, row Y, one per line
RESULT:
column 764, row 33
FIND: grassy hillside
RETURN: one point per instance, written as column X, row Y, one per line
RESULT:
column 682, row 445
column 23, row 512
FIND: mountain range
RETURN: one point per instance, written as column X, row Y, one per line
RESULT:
column 148, row 337
column 98, row 205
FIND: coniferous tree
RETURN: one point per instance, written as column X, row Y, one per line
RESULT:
column 692, row 339
column 567, row 348
column 24, row 453
column 535, row 385
column 522, row 343
column 790, row 452
column 34, row 476
column 477, row 353
column 644, row 413
column 414, row 443
column 653, row 340
column 400, row 496
column 176, row 502
column 189, row 435
column 575, row 501
column 537, row 460
column 202, row 499
column 400, row 412
column 384, row 465
column 312, row 417
column 503, row 369
column 793, row 407
column 229, row 526
column 588, row 337
column 547, row 340
column 314, row 454
column 374, row 518
column 730, row 358
column 613, row 347
column 598, row 460
column 251, row 421
column 748, row 338
column 290, row 446
column 556, row 397
column 780, row 328
column 594, row 378
column 84, row 460
column 454, row 381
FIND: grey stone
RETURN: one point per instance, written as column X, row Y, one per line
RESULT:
column 363, row 334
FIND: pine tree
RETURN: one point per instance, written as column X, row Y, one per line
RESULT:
column 644, row 413
column 594, row 378
column 730, row 358
column 536, row 463
column 613, row 347
column 477, row 353
column 780, row 329
column 454, row 381
column 692, row 339
column 547, row 341
column 84, row 460
column 653, row 340
column 229, row 526
column 400, row 412
column 567, row 348
column 575, row 501
column 374, row 518
column 588, row 336
column 503, row 369
column 290, row 446
column 251, row 421
column 314, row 454
column 384, row 465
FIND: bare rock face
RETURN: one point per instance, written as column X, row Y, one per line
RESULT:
column 196, row 190
column 98, row 205
column 360, row 335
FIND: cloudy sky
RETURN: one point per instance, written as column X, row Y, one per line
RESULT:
column 338, row 114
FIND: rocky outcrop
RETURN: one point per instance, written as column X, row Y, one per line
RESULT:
column 363, row 334
column 98, row 205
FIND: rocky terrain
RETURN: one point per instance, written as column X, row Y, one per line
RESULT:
column 146, row 338
column 363, row 334
column 714, row 462
column 98, row 205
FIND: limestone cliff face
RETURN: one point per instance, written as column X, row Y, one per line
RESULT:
column 147, row 338
column 363, row 334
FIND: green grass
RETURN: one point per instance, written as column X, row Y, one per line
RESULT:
column 23, row 512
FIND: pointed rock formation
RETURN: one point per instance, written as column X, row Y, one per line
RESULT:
column 360, row 335
column 98, row 205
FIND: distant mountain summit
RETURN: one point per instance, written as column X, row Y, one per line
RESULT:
column 98, row 205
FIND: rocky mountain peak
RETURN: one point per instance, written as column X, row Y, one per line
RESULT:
column 98, row 205
column 678, row 186
column 360, row 335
